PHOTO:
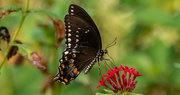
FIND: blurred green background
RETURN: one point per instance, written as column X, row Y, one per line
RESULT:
column 148, row 40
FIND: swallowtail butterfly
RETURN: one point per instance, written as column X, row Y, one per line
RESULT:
column 83, row 45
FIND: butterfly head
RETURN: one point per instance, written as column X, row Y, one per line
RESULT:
column 105, row 51
column 102, row 53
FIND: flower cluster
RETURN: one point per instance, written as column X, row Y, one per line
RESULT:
column 120, row 83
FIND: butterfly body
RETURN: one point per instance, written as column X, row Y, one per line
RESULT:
column 83, row 45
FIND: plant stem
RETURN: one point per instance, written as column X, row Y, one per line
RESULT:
column 15, row 34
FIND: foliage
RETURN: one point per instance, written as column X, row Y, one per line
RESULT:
column 147, row 34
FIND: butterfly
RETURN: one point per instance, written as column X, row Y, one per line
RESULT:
column 83, row 45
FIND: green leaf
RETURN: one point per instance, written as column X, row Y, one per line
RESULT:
column 109, row 91
column 48, row 13
column 129, row 93
column 15, row 8
column 25, row 50
column 119, row 93
column 101, row 94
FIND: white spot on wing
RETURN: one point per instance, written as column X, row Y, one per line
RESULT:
column 77, row 40
column 69, row 45
column 72, row 10
column 77, row 31
column 69, row 39
column 69, row 30
column 77, row 35
column 69, row 34
column 74, row 51
column 66, row 52
column 87, row 31
column 76, row 46
column 63, row 82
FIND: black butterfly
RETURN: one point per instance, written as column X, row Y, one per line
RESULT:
column 83, row 45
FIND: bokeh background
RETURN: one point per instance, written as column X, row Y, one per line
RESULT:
column 148, row 40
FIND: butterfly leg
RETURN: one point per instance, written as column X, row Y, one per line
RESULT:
column 112, row 64
column 100, row 74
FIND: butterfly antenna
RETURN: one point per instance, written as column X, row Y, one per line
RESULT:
column 112, row 43
column 111, row 59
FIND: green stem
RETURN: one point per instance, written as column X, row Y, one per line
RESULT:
column 15, row 35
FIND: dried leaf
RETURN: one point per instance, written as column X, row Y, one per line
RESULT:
column 7, row 10
column 13, row 50
column 36, row 61
column 60, row 30
column 1, row 14
column 18, row 60
column 44, row 62
column 5, row 36
column 58, row 24
column 30, row 55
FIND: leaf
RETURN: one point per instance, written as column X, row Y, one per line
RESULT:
column 48, row 13
column 119, row 93
column 107, row 94
column 8, row 9
column 36, row 61
column 109, row 91
column 58, row 24
column 101, row 94
column 18, row 60
column 5, row 36
column 30, row 55
column 130, row 93
column 60, row 30
column 25, row 50
column 13, row 50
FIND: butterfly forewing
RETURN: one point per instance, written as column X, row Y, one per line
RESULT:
column 81, row 13
column 79, row 32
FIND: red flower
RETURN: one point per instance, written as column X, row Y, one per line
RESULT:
column 120, row 83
